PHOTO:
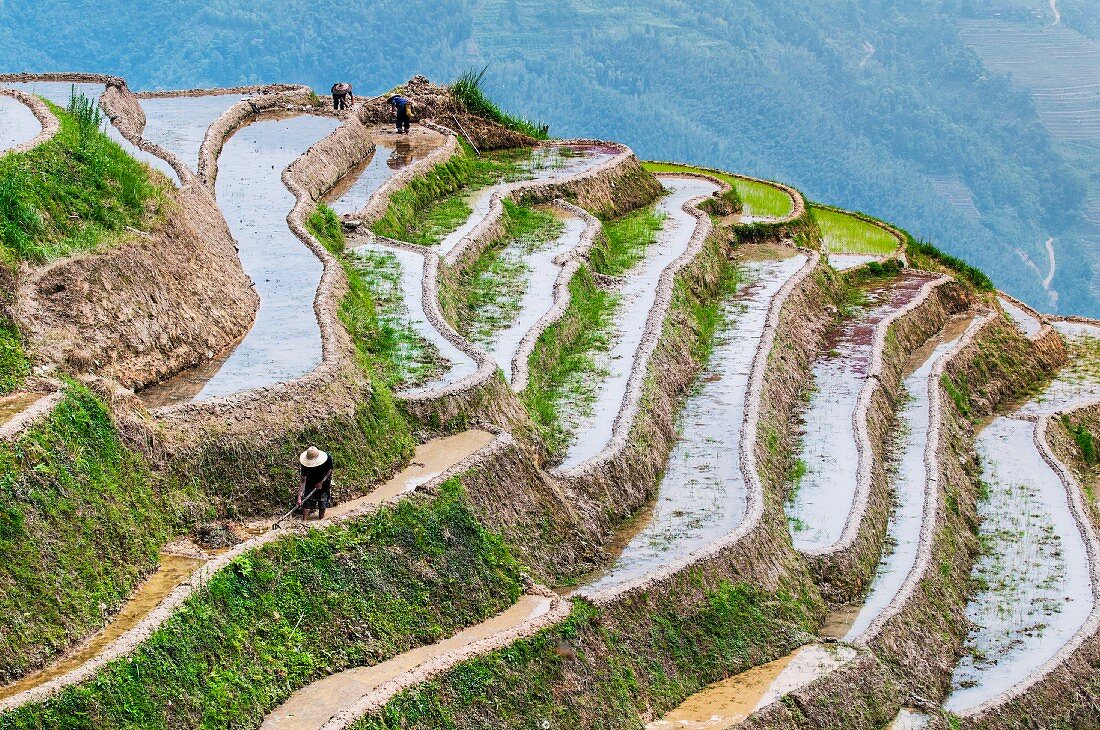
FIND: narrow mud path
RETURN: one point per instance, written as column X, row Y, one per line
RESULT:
column 285, row 340
column 14, row 404
column 18, row 124
column 313, row 706
column 725, row 704
column 702, row 495
column 820, row 506
column 1036, row 574
column 638, row 292
column 911, row 483
column 157, row 598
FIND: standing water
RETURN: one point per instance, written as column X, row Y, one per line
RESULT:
column 638, row 295
column 702, row 496
column 1035, row 573
column 179, row 123
column 284, row 342
column 392, row 153
column 17, row 123
column 819, row 507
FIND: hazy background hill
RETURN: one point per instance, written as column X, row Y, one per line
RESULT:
column 903, row 109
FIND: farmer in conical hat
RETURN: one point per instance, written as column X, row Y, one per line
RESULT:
column 315, row 489
column 341, row 96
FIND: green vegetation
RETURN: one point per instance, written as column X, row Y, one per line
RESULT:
column 649, row 661
column 296, row 610
column 81, row 522
column 959, row 394
column 1084, row 440
column 14, row 366
column 846, row 233
column 564, row 372
column 467, row 91
column 752, row 197
column 433, row 204
column 926, row 256
column 78, row 191
column 485, row 298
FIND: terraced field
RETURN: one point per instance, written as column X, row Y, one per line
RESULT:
column 616, row 444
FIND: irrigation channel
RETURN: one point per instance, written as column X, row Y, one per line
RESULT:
column 415, row 265
column 1036, row 576
column 730, row 701
column 285, row 340
column 18, row 124
column 702, row 496
column 821, row 503
column 185, row 567
column 638, row 293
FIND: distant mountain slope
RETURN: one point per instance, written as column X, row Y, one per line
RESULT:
column 882, row 108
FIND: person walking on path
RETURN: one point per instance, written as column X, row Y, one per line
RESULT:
column 341, row 96
column 315, row 489
column 402, row 108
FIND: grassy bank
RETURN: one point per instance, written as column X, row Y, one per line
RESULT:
column 81, row 521
column 595, row 670
column 753, row 198
column 433, row 204
column 75, row 192
column 14, row 366
column 294, row 611
column 468, row 92
column 564, row 367
column 485, row 296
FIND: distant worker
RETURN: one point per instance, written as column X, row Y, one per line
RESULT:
column 402, row 107
column 315, row 489
column 341, row 96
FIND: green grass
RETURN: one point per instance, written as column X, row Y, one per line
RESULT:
column 486, row 296
column 467, row 91
column 81, row 521
column 433, row 204
column 924, row 255
column 844, row 233
column 648, row 661
column 73, row 193
column 757, row 198
column 14, row 365
column 564, row 372
column 293, row 611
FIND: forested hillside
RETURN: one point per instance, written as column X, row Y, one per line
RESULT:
column 878, row 105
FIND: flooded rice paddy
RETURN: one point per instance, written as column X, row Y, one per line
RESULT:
column 179, row 124
column 285, row 341
column 17, row 123
column 910, row 483
column 638, row 294
column 702, row 495
column 822, row 500
column 1028, row 323
column 393, row 152
column 1034, row 575
column 846, row 261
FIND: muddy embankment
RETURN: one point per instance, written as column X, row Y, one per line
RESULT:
column 149, row 306
column 47, row 120
column 845, row 568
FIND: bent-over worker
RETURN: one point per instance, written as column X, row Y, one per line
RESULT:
column 402, row 108
column 315, row 489
column 341, row 96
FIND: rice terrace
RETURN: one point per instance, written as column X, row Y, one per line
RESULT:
column 599, row 442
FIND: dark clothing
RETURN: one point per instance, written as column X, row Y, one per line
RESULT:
column 319, row 477
column 341, row 96
column 401, row 106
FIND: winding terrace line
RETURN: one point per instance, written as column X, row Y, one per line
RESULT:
column 25, row 121
column 434, row 462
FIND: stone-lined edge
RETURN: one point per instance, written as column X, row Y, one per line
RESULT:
column 1060, row 663
column 651, row 335
column 853, row 526
column 164, row 610
column 50, row 124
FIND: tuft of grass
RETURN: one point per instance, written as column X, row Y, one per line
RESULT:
column 73, row 193
column 924, row 255
column 468, row 92
column 844, row 233
column 485, row 298
column 756, row 198
column 1084, row 440
column 295, row 610
column 625, row 241
column 14, row 365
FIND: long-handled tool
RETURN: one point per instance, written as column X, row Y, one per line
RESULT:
column 294, row 509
